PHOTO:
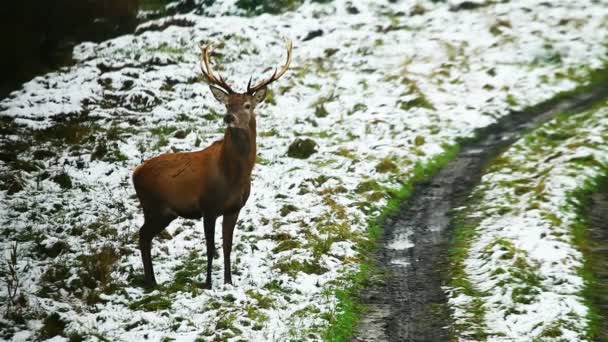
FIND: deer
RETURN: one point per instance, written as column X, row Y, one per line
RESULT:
column 208, row 183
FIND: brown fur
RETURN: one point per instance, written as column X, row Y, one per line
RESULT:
column 209, row 183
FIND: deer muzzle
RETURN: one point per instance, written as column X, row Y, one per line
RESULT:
column 229, row 118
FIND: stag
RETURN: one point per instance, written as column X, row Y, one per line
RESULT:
column 208, row 183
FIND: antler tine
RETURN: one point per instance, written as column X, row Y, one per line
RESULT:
column 275, row 75
column 208, row 71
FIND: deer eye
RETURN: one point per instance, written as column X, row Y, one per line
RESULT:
column 247, row 106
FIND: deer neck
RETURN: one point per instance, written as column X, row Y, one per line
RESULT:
column 239, row 151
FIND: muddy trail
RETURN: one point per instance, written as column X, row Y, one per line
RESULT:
column 409, row 304
column 597, row 235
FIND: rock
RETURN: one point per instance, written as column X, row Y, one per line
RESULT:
column 179, row 134
column 351, row 9
column 313, row 34
column 302, row 148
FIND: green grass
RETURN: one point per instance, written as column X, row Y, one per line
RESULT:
column 455, row 276
column 594, row 289
column 349, row 308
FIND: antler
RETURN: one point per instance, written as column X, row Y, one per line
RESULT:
column 208, row 72
column 275, row 76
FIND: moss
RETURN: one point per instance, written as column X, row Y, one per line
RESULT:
column 386, row 165
column 270, row 97
column 76, row 337
column 53, row 250
column 165, row 48
column 53, row 325
column 264, row 302
column 554, row 330
column 273, row 132
column 107, row 151
column 254, row 7
column 154, row 302
column 419, row 100
column 287, row 209
column 368, row 185
column 358, row 107
column 499, row 26
column 191, row 268
column 226, row 321
column 286, row 245
column 302, row 148
column 293, row 267
column 70, row 132
column 504, row 245
column 63, row 180
column 212, row 115
column 320, row 111
column 275, row 286
column 12, row 183
column 346, row 153
column 43, row 154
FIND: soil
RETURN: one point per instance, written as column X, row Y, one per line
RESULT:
column 410, row 305
column 597, row 235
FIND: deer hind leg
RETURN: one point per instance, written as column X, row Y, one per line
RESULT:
column 209, row 224
column 151, row 227
column 227, row 231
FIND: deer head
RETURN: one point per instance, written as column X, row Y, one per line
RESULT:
column 239, row 106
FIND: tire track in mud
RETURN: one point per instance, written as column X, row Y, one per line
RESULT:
column 409, row 304
column 596, row 215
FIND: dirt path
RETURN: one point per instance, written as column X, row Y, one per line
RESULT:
column 410, row 304
column 597, row 235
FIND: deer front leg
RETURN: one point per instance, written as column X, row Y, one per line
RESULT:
column 227, row 230
column 209, row 224
column 151, row 227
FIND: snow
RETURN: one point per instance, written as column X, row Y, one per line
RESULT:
column 381, row 60
column 534, row 234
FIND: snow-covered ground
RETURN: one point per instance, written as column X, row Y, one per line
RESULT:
column 383, row 87
column 522, row 259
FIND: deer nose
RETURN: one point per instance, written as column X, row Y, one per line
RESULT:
column 228, row 118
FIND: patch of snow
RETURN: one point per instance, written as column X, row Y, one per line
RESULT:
column 383, row 77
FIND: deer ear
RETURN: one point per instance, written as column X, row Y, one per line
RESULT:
column 260, row 95
column 219, row 94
